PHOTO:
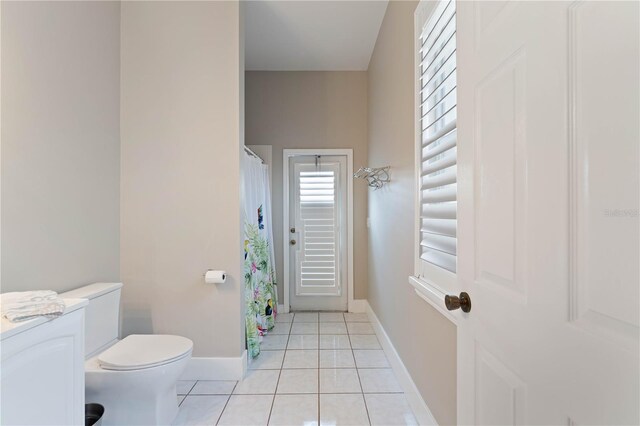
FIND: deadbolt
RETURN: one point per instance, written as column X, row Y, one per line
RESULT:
column 454, row 302
column 292, row 230
column 292, row 242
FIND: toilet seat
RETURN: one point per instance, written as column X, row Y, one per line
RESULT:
column 139, row 351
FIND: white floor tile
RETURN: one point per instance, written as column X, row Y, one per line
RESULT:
column 333, row 328
column 301, row 341
column 280, row 328
column 247, row 410
column 298, row 381
column 364, row 341
column 304, row 328
column 337, row 358
column 184, row 386
column 370, row 359
column 306, row 317
column 267, row 360
column 213, row 387
column 274, row 341
column 333, row 341
column 301, row 359
column 349, row 317
column 331, row 317
column 343, row 410
column 340, row 380
column 200, row 410
column 284, row 317
column 349, row 381
column 378, row 380
column 389, row 409
column 360, row 328
column 294, row 410
column 258, row 382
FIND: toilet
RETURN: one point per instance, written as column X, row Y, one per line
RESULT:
column 133, row 378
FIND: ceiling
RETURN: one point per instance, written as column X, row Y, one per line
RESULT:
column 310, row 35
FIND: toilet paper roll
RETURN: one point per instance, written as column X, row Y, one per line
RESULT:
column 215, row 277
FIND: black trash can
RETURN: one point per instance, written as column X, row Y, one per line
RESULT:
column 93, row 414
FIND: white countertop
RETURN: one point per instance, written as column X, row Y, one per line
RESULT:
column 8, row 328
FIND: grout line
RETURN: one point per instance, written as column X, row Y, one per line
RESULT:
column 313, row 393
column 363, row 398
column 285, row 351
column 284, row 355
column 212, row 394
column 318, row 377
column 275, row 391
column 366, row 408
column 273, row 400
column 226, row 403
column 383, row 393
column 324, row 368
column 190, row 389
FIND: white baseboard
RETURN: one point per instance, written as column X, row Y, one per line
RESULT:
column 358, row 306
column 418, row 405
column 223, row 368
column 282, row 310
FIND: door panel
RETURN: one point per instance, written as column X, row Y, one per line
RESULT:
column 606, row 230
column 500, row 393
column 318, row 213
column 499, row 178
column 548, row 233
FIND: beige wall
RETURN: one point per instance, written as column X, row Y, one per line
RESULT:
column 311, row 110
column 181, row 141
column 60, row 144
column 425, row 340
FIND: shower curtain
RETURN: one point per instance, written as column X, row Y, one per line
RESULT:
column 259, row 271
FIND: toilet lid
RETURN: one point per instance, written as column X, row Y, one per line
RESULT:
column 139, row 351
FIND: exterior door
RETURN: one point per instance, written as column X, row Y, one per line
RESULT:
column 548, row 107
column 317, row 233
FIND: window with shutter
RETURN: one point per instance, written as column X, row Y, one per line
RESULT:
column 318, row 219
column 437, row 137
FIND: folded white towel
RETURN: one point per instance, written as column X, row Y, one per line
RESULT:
column 26, row 305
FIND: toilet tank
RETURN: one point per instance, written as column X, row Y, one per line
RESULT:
column 102, row 315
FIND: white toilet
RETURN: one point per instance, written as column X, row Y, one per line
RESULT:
column 133, row 378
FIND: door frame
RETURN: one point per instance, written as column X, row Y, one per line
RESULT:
column 286, row 154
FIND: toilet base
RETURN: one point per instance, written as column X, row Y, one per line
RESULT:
column 135, row 397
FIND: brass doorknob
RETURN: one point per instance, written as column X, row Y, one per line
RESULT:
column 454, row 302
column 292, row 242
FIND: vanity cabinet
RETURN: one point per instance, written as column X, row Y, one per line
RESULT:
column 42, row 369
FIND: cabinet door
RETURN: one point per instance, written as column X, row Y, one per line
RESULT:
column 42, row 376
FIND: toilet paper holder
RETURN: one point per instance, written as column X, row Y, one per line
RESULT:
column 212, row 276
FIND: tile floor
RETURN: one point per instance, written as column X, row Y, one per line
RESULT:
column 314, row 369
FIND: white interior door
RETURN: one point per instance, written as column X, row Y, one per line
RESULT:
column 317, row 232
column 548, row 249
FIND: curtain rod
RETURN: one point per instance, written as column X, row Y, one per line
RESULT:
column 250, row 152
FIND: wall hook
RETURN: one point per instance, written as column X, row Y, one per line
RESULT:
column 376, row 177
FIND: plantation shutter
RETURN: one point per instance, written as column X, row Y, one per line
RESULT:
column 438, row 186
column 317, row 213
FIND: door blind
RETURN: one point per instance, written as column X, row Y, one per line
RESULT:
column 438, row 186
column 319, row 225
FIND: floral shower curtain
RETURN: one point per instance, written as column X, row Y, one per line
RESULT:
column 259, row 270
